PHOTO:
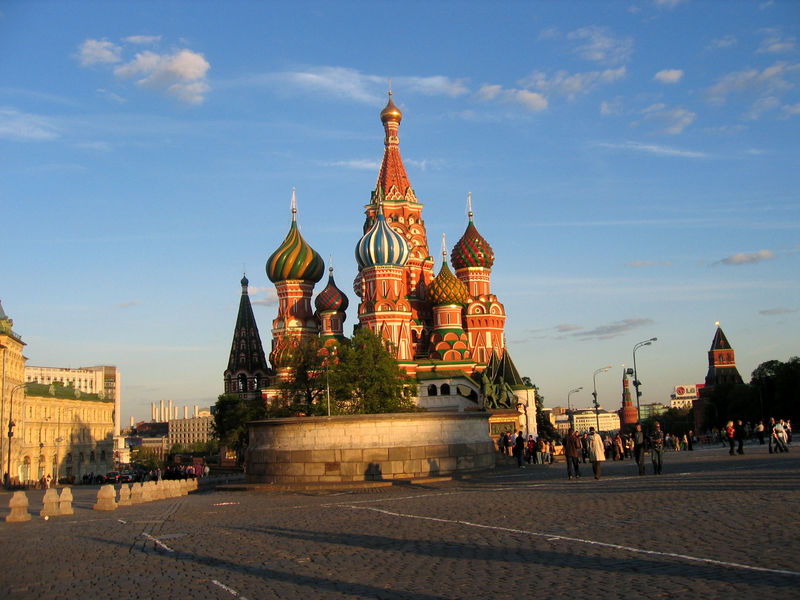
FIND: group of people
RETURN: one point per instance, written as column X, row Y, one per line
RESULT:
column 593, row 447
column 777, row 433
column 533, row 450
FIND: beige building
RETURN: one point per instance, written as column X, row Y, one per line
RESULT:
column 191, row 430
column 58, row 429
column 584, row 419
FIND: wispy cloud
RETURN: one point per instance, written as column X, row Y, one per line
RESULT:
column 598, row 44
column 669, row 3
column 642, row 264
column 570, row 85
column 92, row 52
column 358, row 164
column 568, row 328
column 532, row 101
column 262, row 296
column 772, row 312
column 774, row 42
column 611, row 107
column 143, row 39
column 604, row 332
column 675, row 120
column 654, row 149
column 130, row 303
column 669, row 76
column 791, row 109
column 726, row 41
column 747, row 258
column 19, row 126
column 769, row 81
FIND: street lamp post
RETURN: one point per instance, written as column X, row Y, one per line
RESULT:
column 594, row 395
column 569, row 406
column 11, row 432
column 636, row 382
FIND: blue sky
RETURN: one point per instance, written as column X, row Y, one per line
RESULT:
column 633, row 164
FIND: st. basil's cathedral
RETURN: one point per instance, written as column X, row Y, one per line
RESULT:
column 446, row 331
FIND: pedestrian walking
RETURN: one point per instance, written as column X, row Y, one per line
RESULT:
column 639, row 447
column 730, row 435
column 572, row 449
column 519, row 449
column 657, row 448
column 597, row 452
column 738, row 434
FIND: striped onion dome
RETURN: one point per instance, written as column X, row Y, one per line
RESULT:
column 472, row 250
column 381, row 245
column 331, row 298
column 446, row 288
column 294, row 258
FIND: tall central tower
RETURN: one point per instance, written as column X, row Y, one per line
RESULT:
column 403, row 213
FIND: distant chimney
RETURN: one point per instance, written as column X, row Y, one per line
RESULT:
column 161, row 412
column 185, row 412
column 170, row 412
column 196, row 410
column 133, row 423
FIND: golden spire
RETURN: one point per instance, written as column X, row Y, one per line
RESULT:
column 391, row 112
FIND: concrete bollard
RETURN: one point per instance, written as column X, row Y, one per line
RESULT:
column 184, row 487
column 50, row 504
column 19, row 508
column 65, row 502
column 147, row 491
column 136, row 493
column 106, row 498
column 124, row 495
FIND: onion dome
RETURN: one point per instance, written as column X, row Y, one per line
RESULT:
column 446, row 288
column 294, row 258
column 358, row 284
column 245, row 282
column 391, row 112
column 381, row 245
column 472, row 250
column 331, row 298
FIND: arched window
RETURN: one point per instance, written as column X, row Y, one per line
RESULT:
column 445, row 389
column 432, row 390
column 242, row 382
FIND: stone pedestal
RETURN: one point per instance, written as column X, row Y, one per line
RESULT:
column 106, row 498
column 50, row 506
column 136, row 493
column 124, row 495
column 65, row 502
column 19, row 508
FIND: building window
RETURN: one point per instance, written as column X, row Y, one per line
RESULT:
column 432, row 390
column 445, row 389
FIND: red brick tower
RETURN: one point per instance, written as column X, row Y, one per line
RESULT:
column 628, row 414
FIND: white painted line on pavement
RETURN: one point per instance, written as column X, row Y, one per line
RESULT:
column 158, row 542
column 231, row 591
column 225, row 504
column 554, row 537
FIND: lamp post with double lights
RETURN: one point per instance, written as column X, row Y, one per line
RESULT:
column 594, row 395
column 569, row 405
column 11, row 425
column 636, row 382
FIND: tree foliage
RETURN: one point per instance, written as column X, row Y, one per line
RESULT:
column 230, row 420
column 366, row 379
column 776, row 386
column 675, row 421
column 303, row 390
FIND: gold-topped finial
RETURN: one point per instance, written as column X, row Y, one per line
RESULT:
column 294, row 206
column 391, row 112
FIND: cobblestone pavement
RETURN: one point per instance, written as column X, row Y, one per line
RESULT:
column 711, row 526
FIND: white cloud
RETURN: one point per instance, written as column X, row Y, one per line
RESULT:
column 675, row 119
column 775, row 43
column 532, row 101
column 435, row 85
column 669, row 3
column 669, row 76
column 19, row 126
column 143, row 39
column 92, row 52
column 770, row 81
column 747, row 258
column 611, row 107
column 726, row 41
column 570, row 85
column 654, row 149
column 359, row 164
column 182, row 75
column 600, row 45
column 640, row 264
column 761, row 106
column 792, row 109
column 263, row 296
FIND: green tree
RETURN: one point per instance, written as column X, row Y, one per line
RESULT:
column 776, row 385
column 231, row 415
column 306, row 384
column 145, row 459
column 366, row 379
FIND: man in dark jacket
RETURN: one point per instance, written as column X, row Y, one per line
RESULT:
column 519, row 449
column 572, row 451
column 639, row 447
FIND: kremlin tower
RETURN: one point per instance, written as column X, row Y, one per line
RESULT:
column 628, row 415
